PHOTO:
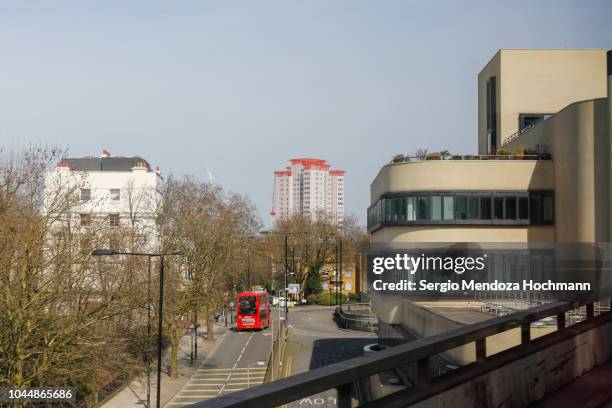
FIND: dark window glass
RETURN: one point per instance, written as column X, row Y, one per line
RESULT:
column 523, row 208
column 473, row 208
column 248, row 305
column 423, row 208
column 460, row 208
column 511, row 208
column 535, row 210
column 485, row 208
column 498, row 208
column 548, row 208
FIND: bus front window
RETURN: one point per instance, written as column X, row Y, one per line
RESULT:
column 248, row 305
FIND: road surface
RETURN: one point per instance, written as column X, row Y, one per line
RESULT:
column 316, row 341
column 240, row 361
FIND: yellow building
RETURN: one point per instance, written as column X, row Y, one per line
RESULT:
column 332, row 281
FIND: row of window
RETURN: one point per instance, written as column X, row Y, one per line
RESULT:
column 336, row 285
column 114, row 193
column 113, row 220
column 529, row 208
column 325, row 272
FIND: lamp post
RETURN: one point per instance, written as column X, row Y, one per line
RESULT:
column 286, row 234
column 110, row 252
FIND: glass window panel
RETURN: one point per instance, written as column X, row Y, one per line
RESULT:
column 535, row 210
column 411, row 208
column 511, row 208
column 473, row 208
column 448, row 203
column 549, row 209
column 523, row 208
column 460, row 208
column 423, row 208
column 485, row 208
column 498, row 208
column 436, row 208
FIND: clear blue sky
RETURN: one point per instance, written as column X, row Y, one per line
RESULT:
column 242, row 86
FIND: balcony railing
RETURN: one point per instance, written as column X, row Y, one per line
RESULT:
column 436, row 157
column 343, row 375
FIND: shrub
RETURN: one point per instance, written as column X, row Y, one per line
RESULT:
column 326, row 299
column 311, row 299
column 503, row 152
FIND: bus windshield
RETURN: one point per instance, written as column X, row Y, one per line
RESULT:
column 248, row 305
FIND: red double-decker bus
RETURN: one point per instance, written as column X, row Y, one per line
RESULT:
column 253, row 310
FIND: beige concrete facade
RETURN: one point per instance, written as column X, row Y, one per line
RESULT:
column 578, row 138
column 538, row 82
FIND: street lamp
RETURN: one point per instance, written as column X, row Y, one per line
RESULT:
column 110, row 252
column 286, row 234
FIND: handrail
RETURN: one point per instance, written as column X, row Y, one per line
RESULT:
column 484, row 157
column 341, row 375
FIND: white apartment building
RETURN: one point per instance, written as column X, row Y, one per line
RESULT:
column 112, row 192
column 308, row 187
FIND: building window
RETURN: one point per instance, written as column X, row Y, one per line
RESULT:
column 115, row 194
column 423, row 207
column 448, row 203
column 498, row 208
column 348, row 286
column 491, row 116
column 325, row 285
column 527, row 120
column 325, row 272
column 349, row 272
column 460, row 208
column 85, row 220
column 472, row 208
column 85, row 194
column 523, row 208
column 486, row 207
column 436, row 208
column 511, row 208
column 113, row 220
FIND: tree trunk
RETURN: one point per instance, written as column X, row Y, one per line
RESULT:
column 176, row 342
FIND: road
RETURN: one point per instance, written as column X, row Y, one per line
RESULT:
column 239, row 362
column 316, row 341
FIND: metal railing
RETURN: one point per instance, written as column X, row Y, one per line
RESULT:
column 417, row 159
column 343, row 375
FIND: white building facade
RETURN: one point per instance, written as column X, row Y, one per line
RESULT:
column 110, row 192
column 308, row 187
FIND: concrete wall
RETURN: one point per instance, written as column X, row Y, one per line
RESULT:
column 538, row 82
column 526, row 380
column 439, row 175
column 578, row 139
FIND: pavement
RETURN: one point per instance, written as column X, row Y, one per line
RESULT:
column 134, row 395
column 316, row 341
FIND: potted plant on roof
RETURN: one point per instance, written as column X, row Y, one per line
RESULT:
column 503, row 154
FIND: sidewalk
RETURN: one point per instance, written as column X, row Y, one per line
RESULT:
column 134, row 395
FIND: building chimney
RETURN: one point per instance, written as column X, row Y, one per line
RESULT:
column 105, row 153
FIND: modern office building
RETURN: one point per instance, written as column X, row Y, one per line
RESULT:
column 547, row 113
column 541, row 178
column 308, row 187
column 113, row 193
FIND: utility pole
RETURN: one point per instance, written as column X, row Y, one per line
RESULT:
column 340, row 272
column 286, row 276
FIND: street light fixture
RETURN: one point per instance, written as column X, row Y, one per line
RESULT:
column 110, row 252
